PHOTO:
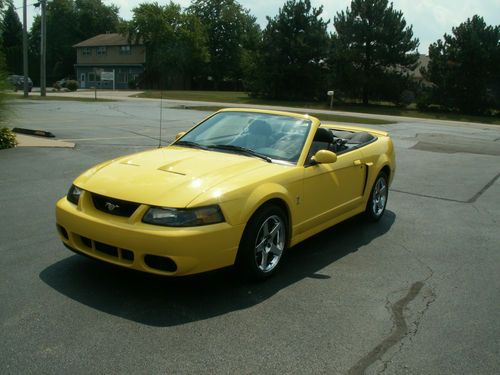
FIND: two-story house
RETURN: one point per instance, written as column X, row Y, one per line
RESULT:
column 108, row 53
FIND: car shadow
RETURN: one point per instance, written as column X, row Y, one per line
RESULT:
column 159, row 301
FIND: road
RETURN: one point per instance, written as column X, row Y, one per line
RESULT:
column 417, row 293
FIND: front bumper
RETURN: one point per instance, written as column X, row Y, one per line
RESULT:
column 127, row 242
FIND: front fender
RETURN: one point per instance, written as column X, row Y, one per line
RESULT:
column 241, row 210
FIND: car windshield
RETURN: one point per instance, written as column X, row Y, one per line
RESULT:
column 271, row 137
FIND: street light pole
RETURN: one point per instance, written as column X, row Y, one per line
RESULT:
column 43, row 48
column 25, row 49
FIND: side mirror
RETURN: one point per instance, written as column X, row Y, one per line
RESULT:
column 324, row 157
column 178, row 135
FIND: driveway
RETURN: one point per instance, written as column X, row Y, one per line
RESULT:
column 416, row 293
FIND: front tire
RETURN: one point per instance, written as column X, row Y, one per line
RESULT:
column 377, row 202
column 263, row 243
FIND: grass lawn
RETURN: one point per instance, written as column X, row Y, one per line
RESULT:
column 236, row 97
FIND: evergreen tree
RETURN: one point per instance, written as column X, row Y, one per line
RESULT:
column 291, row 62
column 12, row 40
column 464, row 67
column 373, row 50
column 3, row 76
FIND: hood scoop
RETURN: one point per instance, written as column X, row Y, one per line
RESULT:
column 171, row 169
column 174, row 172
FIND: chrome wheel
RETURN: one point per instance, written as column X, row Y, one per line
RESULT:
column 379, row 196
column 270, row 243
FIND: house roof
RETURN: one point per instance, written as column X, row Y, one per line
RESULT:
column 110, row 39
column 423, row 61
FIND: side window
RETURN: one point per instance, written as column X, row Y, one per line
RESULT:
column 125, row 50
column 101, row 51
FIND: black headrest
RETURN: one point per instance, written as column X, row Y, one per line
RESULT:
column 323, row 135
column 259, row 127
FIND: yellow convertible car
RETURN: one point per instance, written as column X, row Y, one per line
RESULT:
column 237, row 189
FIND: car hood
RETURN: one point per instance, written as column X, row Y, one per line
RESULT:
column 171, row 176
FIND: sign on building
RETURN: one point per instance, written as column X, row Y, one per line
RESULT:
column 107, row 76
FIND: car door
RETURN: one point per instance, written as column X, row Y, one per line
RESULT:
column 330, row 190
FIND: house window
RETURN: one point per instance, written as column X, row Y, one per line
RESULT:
column 95, row 75
column 125, row 50
column 86, row 51
column 122, row 77
column 101, row 51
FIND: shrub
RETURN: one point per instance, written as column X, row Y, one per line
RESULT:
column 424, row 101
column 56, row 86
column 7, row 138
column 133, row 84
column 406, row 98
column 72, row 85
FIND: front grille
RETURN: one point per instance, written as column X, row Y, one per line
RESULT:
column 114, row 206
column 121, row 254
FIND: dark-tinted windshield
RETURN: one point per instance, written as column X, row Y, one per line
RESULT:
column 271, row 136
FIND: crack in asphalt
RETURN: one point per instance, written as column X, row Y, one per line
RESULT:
column 399, row 331
column 401, row 328
column 411, row 332
column 415, row 323
column 483, row 190
column 428, row 196
column 470, row 200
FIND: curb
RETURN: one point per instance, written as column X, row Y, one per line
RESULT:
column 41, row 133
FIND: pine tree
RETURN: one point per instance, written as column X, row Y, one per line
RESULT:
column 371, row 47
column 291, row 62
column 464, row 67
column 12, row 40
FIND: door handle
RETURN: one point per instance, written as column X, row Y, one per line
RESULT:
column 357, row 162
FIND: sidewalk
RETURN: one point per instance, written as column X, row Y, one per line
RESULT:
column 32, row 141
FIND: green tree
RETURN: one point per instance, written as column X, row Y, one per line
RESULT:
column 7, row 139
column 12, row 39
column 94, row 17
column 291, row 62
column 175, row 43
column 373, row 50
column 69, row 22
column 464, row 67
column 232, row 34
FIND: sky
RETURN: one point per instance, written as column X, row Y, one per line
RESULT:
column 431, row 19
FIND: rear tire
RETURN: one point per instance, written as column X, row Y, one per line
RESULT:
column 263, row 243
column 377, row 202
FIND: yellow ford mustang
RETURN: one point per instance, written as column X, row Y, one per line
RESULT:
column 237, row 189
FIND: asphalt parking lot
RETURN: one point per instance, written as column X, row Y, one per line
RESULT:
column 417, row 293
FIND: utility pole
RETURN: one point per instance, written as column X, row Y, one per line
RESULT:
column 43, row 50
column 25, row 49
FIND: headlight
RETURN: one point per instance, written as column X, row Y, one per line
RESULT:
column 183, row 217
column 74, row 194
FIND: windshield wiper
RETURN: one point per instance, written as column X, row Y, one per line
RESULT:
column 242, row 150
column 190, row 144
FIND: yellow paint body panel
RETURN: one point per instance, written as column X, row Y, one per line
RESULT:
column 315, row 197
